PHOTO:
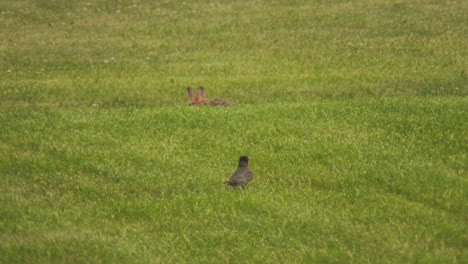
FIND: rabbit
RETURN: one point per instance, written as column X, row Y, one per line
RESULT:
column 200, row 100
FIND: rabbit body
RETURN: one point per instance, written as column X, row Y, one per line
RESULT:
column 199, row 99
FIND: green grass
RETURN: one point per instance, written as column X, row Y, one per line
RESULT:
column 354, row 113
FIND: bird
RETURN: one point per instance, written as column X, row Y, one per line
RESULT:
column 242, row 175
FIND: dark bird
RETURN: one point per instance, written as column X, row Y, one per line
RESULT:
column 242, row 175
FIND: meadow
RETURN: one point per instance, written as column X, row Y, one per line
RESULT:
column 353, row 112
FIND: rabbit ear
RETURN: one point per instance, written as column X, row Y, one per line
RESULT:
column 201, row 92
column 190, row 94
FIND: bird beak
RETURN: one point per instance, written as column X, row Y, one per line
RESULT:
column 250, row 158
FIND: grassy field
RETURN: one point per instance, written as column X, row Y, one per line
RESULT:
column 354, row 112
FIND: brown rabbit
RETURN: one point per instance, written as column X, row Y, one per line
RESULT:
column 200, row 100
